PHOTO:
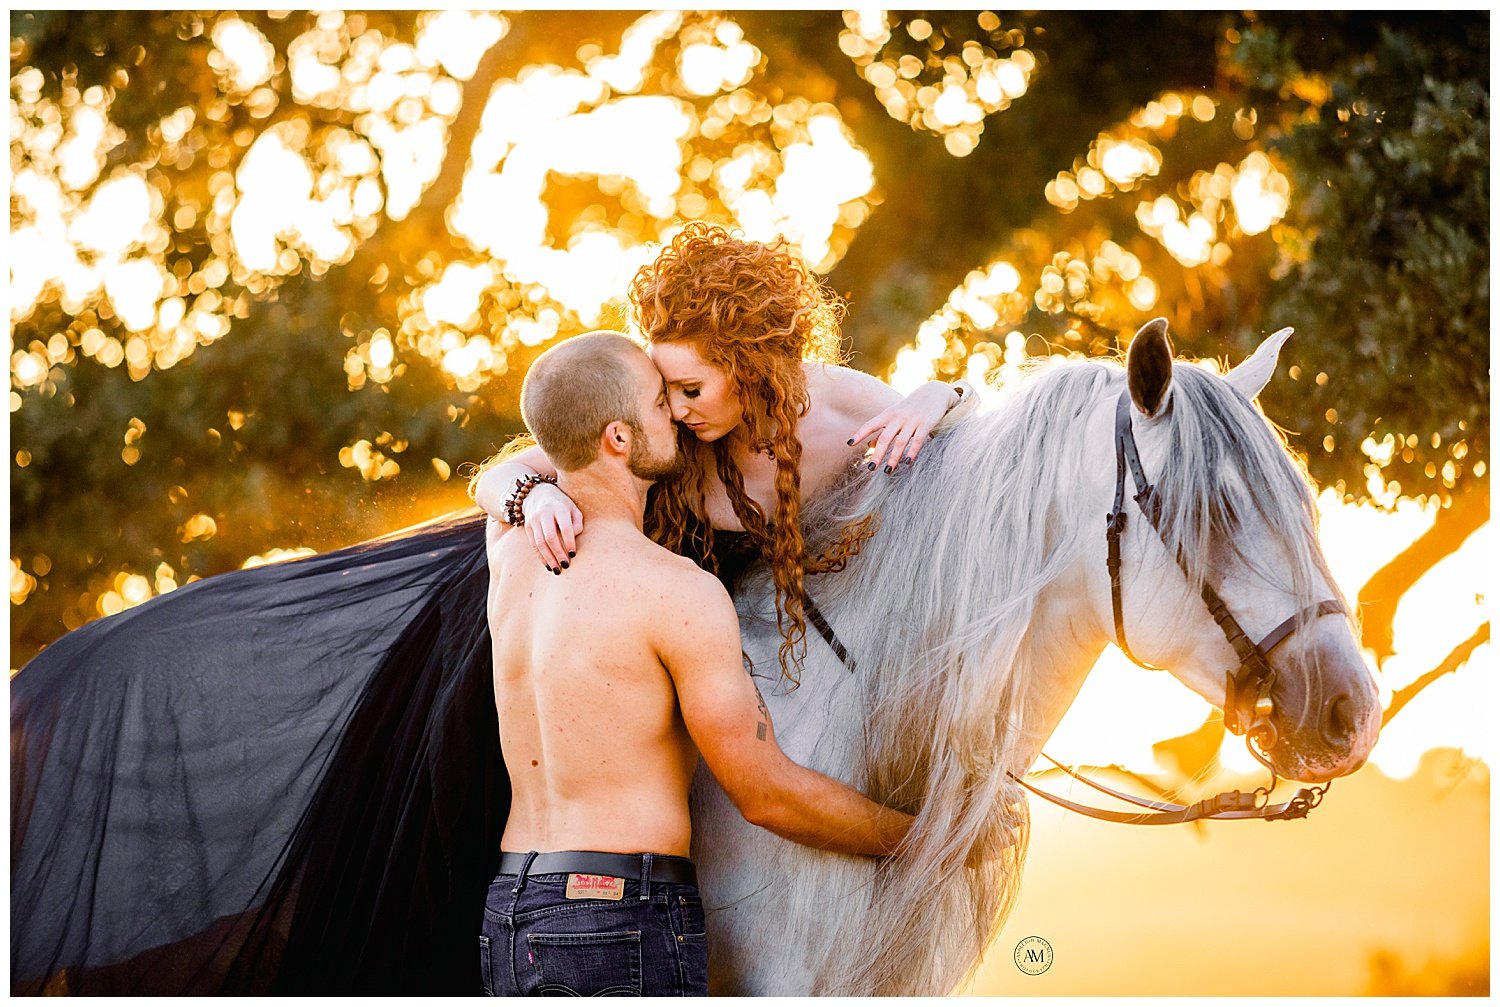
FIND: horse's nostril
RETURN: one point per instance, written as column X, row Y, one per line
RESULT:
column 1339, row 725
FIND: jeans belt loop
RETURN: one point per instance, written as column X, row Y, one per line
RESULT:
column 645, row 876
column 521, row 875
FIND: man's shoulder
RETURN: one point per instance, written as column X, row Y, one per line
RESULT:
column 674, row 574
column 680, row 598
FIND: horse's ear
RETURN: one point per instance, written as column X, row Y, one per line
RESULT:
column 1250, row 377
column 1148, row 364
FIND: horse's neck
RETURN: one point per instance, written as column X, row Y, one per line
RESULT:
column 1062, row 645
column 1073, row 622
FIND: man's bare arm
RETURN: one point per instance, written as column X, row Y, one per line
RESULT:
column 728, row 720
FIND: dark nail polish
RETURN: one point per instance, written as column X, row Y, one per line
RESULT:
column 906, row 461
column 888, row 470
column 564, row 564
column 870, row 466
column 571, row 555
column 851, row 442
column 556, row 570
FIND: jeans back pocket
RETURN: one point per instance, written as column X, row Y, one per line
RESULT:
column 606, row 964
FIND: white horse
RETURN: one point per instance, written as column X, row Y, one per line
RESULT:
column 973, row 615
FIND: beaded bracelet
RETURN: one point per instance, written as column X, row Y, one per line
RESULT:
column 524, row 485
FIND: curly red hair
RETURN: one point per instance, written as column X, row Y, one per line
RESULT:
column 756, row 312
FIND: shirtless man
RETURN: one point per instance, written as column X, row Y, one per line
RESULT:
column 609, row 684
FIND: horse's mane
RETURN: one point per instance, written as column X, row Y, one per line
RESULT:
column 938, row 612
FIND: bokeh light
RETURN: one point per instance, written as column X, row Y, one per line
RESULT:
column 705, row 144
column 921, row 82
column 242, row 55
column 578, row 172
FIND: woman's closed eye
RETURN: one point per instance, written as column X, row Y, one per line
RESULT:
column 691, row 393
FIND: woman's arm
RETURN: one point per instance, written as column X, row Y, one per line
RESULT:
column 900, row 426
column 553, row 522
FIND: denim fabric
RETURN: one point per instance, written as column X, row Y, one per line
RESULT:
column 537, row 942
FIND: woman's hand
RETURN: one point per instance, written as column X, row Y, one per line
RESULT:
column 904, row 427
column 554, row 522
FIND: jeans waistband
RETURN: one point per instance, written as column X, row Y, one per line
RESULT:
column 658, row 867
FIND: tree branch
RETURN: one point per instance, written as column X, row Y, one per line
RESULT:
column 534, row 37
column 1382, row 592
column 1452, row 662
column 425, row 225
column 476, row 92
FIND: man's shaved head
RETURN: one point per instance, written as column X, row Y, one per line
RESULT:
column 579, row 387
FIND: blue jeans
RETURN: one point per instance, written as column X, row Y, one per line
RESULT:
column 537, row 942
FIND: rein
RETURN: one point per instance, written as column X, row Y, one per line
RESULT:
column 1248, row 706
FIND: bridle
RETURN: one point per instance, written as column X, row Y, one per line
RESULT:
column 1247, row 691
column 1248, row 706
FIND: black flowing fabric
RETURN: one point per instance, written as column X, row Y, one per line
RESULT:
column 277, row 780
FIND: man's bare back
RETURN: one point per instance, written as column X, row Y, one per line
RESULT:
column 598, row 753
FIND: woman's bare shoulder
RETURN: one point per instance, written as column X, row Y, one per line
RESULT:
column 849, row 394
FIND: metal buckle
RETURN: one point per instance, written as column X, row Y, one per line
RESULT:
column 1301, row 803
column 1234, row 800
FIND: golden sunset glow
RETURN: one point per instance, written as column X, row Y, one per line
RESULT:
column 950, row 95
column 796, row 174
column 1259, row 193
column 290, row 204
column 369, row 458
column 1119, row 160
column 648, row 161
column 127, row 590
column 276, row 556
column 1196, row 231
column 456, row 40
column 285, row 203
column 1454, row 709
column 21, row 582
column 372, row 222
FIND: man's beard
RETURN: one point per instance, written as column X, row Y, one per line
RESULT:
column 644, row 466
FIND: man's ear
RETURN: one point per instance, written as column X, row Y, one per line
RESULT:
column 616, row 437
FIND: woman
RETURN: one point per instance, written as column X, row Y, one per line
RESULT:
column 746, row 340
